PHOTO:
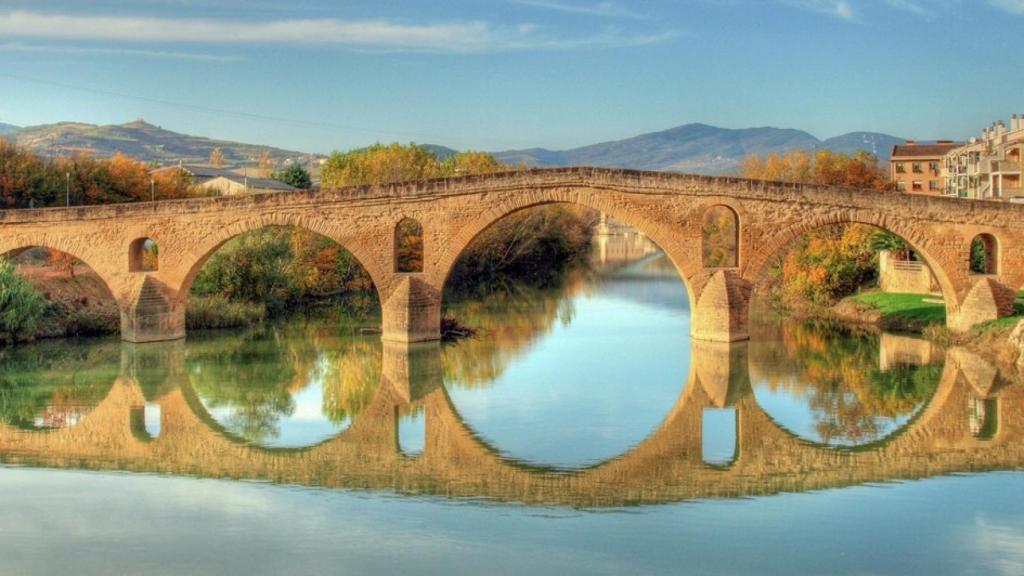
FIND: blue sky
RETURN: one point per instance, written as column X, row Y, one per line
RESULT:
column 316, row 75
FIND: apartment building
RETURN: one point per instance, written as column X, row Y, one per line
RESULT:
column 989, row 167
column 917, row 167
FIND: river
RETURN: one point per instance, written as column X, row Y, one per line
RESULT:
column 580, row 431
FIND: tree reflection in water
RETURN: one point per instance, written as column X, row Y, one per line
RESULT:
column 250, row 383
column 836, row 373
column 55, row 384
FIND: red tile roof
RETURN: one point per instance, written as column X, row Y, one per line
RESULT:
column 922, row 150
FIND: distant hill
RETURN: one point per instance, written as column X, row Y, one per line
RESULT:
column 140, row 140
column 878, row 144
column 698, row 148
column 694, row 148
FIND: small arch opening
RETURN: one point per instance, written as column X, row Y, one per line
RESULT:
column 720, row 238
column 408, row 246
column 718, row 436
column 983, row 415
column 412, row 433
column 146, row 421
column 984, row 257
column 143, row 256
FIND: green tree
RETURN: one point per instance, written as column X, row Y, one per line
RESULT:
column 21, row 307
column 295, row 176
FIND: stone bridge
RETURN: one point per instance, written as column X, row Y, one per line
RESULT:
column 668, row 466
column 669, row 208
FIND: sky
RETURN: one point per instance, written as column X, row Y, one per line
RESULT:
column 318, row 75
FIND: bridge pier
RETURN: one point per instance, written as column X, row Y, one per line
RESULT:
column 721, row 313
column 153, row 315
column 414, row 370
column 412, row 313
column 721, row 370
column 987, row 300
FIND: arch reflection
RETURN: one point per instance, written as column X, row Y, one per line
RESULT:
column 570, row 378
column 840, row 387
column 667, row 466
column 288, row 385
column 53, row 386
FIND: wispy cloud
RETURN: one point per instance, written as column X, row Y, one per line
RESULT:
column 837, row 8
column 909, row 6
column 1014, row 6
column 602, row 9
column 91, row 50
column 462, row 37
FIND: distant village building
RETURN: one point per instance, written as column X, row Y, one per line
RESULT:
column 917, row 168
column 990, row 167
column 227, row 182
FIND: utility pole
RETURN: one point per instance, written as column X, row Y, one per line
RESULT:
column 67, row 188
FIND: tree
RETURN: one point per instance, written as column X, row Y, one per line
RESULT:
column 21, row 307
column 217, row 158
column 829, row 263
column 379, row 164
column 295, row 176
column 266, row 165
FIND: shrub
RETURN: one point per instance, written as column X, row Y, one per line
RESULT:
column 21, row 307
column 216, row 312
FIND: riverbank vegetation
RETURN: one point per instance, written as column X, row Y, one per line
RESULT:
column 29, row 181
column 831, row 263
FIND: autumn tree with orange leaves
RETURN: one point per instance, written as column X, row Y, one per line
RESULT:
column 833, row 262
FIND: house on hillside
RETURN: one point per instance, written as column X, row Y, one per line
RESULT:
column 227, row 182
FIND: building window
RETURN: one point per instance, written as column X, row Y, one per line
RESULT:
column 917, row 168
column 917, row 186
column 901, row 168
column 933, row 185
column 901, row 186
column 934, row 167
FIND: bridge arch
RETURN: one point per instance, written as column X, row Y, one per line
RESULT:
column 98, row 262
column 658, row 230
column 946, row 273
column 195, row 259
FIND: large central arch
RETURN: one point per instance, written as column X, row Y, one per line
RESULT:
column 673, row 243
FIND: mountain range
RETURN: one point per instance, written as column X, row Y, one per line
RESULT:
column 699, row 148
column 693, row 148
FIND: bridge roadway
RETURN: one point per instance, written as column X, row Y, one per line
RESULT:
column 669, row 208
column 667, row 466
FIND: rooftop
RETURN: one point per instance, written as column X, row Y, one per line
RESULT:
column 915, row 150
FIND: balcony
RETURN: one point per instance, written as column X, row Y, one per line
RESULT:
column 1006, row 167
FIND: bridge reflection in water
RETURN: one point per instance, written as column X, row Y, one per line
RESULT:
column 152, row 420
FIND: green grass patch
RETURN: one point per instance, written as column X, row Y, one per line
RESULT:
column 909, row 310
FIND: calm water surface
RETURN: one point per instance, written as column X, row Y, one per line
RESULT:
column 581, row 431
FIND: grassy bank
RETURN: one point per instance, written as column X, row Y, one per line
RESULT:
column 217, row 312
column 901, row 312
